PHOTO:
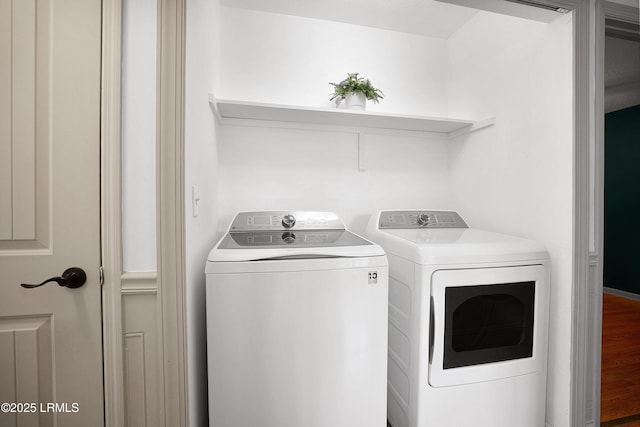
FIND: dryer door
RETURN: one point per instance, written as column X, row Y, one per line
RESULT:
column 487, row 324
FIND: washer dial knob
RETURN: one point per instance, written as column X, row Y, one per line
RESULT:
column 288, row 221
column 422, row 219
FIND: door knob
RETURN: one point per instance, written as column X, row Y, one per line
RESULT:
column 73, row 277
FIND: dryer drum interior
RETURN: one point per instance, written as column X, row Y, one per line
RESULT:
column 488, row 323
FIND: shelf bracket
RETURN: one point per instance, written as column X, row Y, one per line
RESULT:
column 361, row 152
column 480, row 124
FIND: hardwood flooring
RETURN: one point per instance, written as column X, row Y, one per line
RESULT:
column 620, row 395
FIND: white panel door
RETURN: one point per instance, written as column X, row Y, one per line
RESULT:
column 50, row 336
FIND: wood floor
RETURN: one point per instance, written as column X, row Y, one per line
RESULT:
column 620, row 393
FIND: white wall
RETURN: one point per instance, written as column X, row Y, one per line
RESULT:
column 139, row 135
column 290, row 60
column 516, row 177
column 622, row 74
column 202, row 41
column 264, row 168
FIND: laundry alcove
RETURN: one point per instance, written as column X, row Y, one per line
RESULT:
column 513, row 177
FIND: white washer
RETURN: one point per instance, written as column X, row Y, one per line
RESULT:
column 468, row 322
column 296, row 324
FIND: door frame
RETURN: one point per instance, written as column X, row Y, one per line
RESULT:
column 169, row 281
column 604, row 10
column 111, row 223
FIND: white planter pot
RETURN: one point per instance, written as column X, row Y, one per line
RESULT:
column 355, row 101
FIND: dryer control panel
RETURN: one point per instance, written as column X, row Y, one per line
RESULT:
column 420, row 219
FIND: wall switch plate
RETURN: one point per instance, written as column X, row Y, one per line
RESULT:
column 195, row 200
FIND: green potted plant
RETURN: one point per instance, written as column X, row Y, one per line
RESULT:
column 355, row 91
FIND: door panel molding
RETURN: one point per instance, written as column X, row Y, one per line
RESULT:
column 23, row 118
column 144, row 322
column 139, row 283
column 26, row 363
column 143, row 393
column 135, row 373
column 6, row 209
column 25, row 126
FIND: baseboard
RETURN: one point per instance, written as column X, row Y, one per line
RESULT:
column 621, row 421
column 623, row 294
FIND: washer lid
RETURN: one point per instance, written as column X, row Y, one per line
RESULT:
column 290, row 235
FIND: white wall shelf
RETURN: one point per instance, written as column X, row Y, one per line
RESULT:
column 229, row 111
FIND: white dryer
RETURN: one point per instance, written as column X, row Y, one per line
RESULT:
column 468, row 322
column 296, row 324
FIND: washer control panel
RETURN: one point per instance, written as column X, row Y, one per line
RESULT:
column 286, row 220
column 420, row 219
